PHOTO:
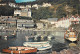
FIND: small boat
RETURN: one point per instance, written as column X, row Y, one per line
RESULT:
column 20, row 50
column 50, row 37
column 44, row 37
column 39, row 45
column 70, row 35
column 38, row 37
column 14, row 34
column 29, row 38
column 10, row 36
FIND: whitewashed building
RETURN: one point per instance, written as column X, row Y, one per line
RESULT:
column 23, row 12
column 40, row 25
column 52, row 20
column 63, row 23
column 66, row 22
column 12, row 4
column 46, row 4
column 23, row 23
column 36, row 6
column 17, row 12
column 22, row 6
column 28, row 6
column 3, row 4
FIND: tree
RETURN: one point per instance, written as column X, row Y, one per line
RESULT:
column 6, row 11
column 42, row 13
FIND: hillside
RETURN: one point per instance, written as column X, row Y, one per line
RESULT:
column 3, row 1
column 59, row 9
column 76, row 27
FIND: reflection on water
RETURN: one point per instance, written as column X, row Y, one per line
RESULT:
column 58, row 43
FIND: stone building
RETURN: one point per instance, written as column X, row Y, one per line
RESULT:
column 23, row 12
column 22, row 24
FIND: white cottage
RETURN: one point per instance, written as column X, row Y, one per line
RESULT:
column 46, row 5
column 66, row 22
column 17, row 12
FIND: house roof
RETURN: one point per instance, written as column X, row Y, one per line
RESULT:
column 52, row 19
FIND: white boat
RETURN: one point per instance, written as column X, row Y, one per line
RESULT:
column 50, row 37
column 38, row 45
column 29, row 38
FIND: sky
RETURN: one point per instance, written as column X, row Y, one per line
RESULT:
column 18, row 1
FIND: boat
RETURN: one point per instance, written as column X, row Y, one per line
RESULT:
column 50, row 37
column 71, row 35
column 39, row 45
column 44, row 37
column 14, row 34
column 38, row 37
column 29, row 38
column 10, row 36
column 20, row 50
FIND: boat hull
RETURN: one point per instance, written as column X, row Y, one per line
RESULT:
column 71, row 36
column 20, row 51
column 71, row 39
column 38, row 45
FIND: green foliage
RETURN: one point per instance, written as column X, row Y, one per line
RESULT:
column 42, row 13
column 6, row 11
column 61, row 12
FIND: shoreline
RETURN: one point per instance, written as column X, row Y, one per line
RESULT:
column 21, row 30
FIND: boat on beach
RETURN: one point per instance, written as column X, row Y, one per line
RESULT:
column 39, row 45
column 71, row 35
column 20, row 50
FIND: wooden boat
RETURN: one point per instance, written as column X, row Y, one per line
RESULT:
column 39, row 45
column 20, row 50
column 70, row 35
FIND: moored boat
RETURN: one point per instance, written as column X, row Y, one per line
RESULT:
column 39, row 45
column 38, row 37
column 29, row 38
column 20, row 50
column 71, row 36
column 14, row 34
column 50, row 37
column 11, row 36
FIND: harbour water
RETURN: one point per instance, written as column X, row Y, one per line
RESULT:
column 57, row 44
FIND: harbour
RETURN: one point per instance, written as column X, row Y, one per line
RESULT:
column 57, row 44
column 40, row 27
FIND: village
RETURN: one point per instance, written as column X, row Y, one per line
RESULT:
column 51, row 31
column 22, row 18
